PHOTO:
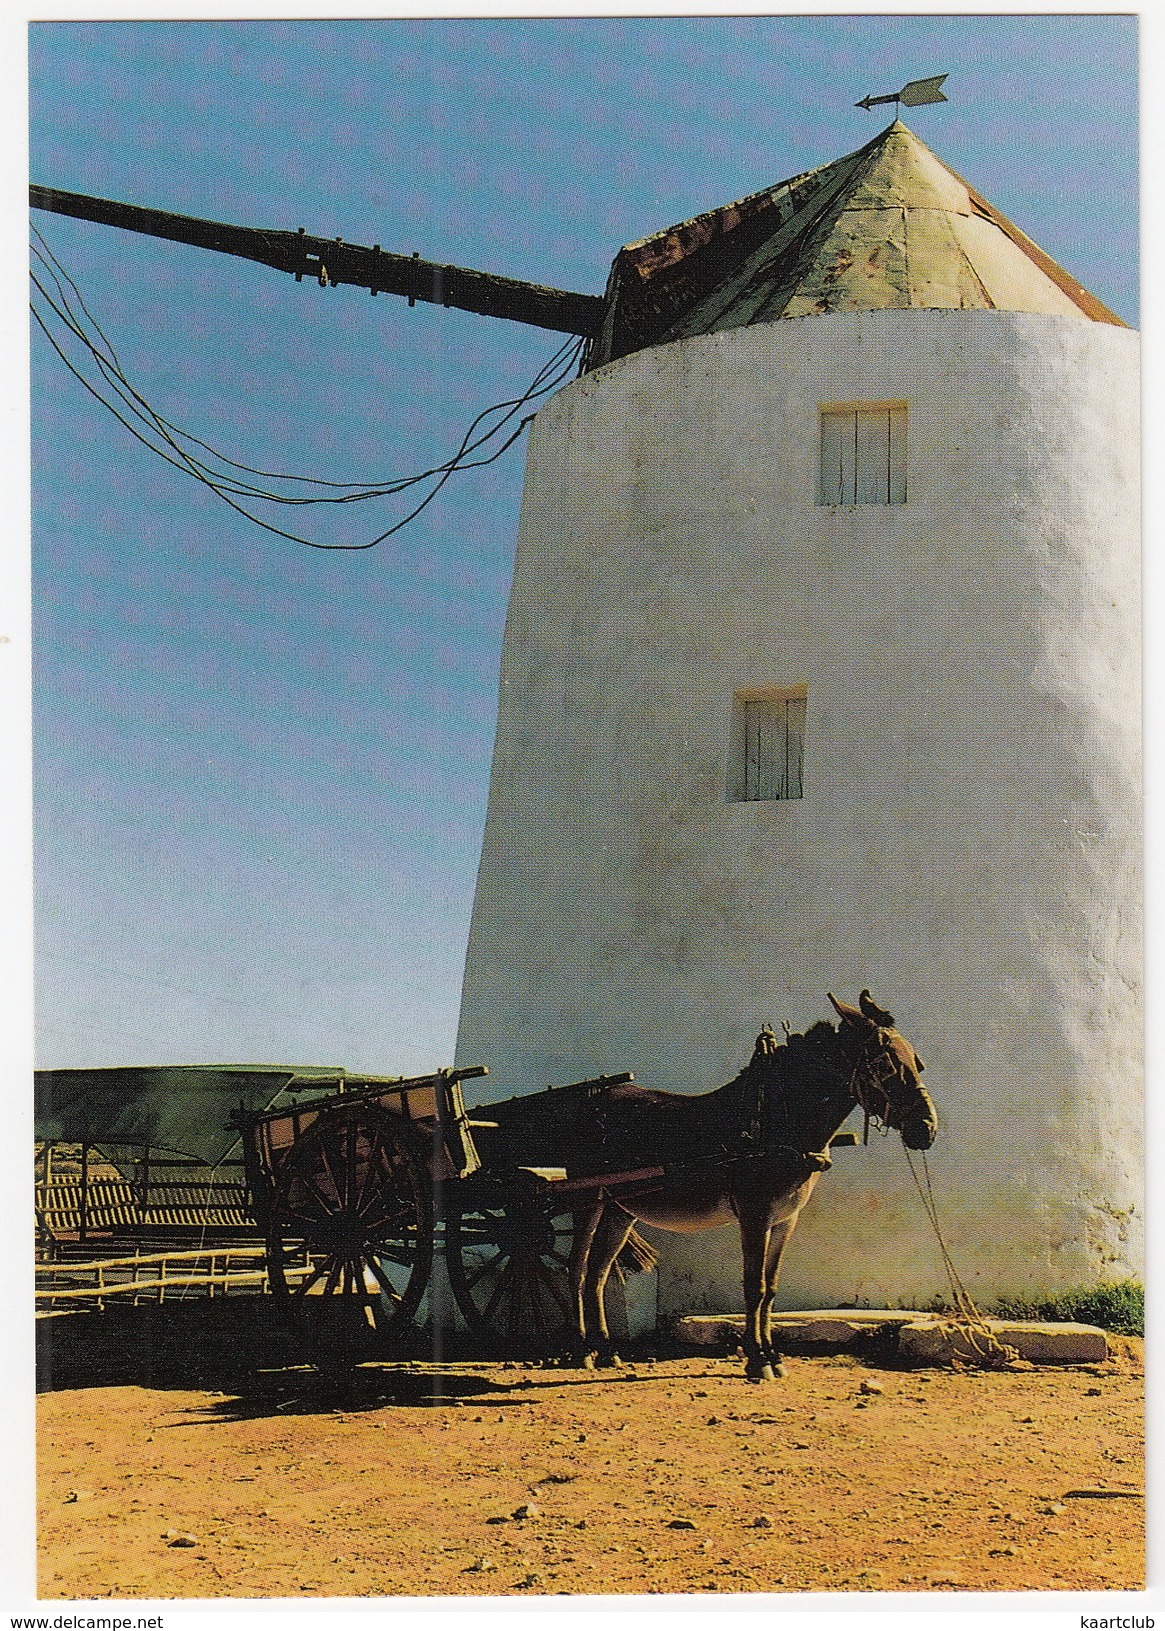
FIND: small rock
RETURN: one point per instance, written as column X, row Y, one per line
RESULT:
column 175, row 1537
column 1092, row 1392
column 871, row 1387
column 681, row 1523
column 713, row 1421
column 1002, row 1551
column 1054, row 1510
column 581, row 1523
column 481, row 1565
column 530, row 1580
column 498, row 1518
column 529, row 1510
column 761, row 1522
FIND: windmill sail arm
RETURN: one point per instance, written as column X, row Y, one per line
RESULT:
column 330, row 260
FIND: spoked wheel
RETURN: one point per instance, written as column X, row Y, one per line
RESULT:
column 508, row 1258
column 351, row 1230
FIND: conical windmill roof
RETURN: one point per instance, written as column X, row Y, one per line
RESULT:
column 888, row 226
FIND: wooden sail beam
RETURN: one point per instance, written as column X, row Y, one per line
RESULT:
column 330, row 260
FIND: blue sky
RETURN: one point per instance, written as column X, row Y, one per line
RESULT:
column 261, row 770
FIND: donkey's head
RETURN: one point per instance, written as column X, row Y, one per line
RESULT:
column 887, row 1074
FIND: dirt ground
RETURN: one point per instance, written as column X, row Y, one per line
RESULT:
column 200, row 1456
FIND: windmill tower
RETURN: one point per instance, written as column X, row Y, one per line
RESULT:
column 820, row 672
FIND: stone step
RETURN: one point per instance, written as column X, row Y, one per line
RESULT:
column 839, row 1327
column 1041, row 1342
column 922, row 1339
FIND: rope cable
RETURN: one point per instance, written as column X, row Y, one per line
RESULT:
column 230, row 488
column 546, row 379
column 966, row 1324
column 540, row 386
column 193, row 465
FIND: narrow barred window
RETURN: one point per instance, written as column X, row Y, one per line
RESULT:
column 863, row 454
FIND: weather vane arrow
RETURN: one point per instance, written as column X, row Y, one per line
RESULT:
column 914, row 95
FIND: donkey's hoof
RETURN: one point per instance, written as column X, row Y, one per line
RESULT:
column 610, row 1361
column 588, row 1361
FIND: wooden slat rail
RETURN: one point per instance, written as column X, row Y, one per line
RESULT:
column 209, row 1270
column 57, row 1294
column 135, row 1259
column 116, row 1205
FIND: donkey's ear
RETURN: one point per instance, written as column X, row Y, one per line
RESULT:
column 852, row 1016
column 878, row 1016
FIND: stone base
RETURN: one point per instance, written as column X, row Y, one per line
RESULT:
column 832, row 1327
column 1038, row 1341
column 921, row 1339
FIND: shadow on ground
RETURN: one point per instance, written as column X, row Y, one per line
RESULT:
column 237, row 1348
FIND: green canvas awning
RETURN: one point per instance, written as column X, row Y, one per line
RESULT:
column 186, row 1109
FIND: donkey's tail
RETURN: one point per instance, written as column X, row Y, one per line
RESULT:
column 638, row 1256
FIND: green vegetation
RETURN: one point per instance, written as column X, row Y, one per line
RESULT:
column 1118, row 1306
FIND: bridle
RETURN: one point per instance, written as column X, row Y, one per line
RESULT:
column 877, row 1066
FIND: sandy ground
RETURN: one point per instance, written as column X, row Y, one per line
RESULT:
column 197, row 1455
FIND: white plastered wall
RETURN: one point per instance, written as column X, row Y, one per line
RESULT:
column 968, row 840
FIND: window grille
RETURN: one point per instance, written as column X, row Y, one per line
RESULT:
column 863, row 455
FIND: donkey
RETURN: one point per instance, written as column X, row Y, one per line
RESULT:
column 750, row 1153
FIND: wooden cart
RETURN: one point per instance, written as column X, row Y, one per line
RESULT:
column 354, row 1184
column 352, row 1175
column 363, row 1180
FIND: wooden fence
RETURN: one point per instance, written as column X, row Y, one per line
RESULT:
column 70, row 1287
column 173, row 1211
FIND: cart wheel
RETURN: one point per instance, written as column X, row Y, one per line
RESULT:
column 352, row 1220
column 508, row 1261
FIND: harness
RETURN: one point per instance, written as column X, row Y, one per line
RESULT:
column 876, row 1067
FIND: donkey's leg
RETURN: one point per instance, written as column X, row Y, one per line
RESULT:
column 754, row 1243
column 586, row 1224
column 612, row 1237
column 778, row 1240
